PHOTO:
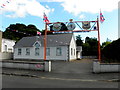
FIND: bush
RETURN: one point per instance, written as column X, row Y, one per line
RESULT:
column 112, row 51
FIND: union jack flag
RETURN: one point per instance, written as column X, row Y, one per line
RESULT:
column 45, row 18
column 101, row 17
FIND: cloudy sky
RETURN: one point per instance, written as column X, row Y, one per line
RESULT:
column 31, row 12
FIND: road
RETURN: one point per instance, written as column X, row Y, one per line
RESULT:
column 76, row 74
column 31, row 82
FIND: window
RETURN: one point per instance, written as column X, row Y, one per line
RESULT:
column 37, row 45
column 27, row 51
column 58, row 51
column 37, row 52
column 48, row 51
column 5, row 48
column 71, row 51
column 19, row 51
column 9, row 50
column 74, row 51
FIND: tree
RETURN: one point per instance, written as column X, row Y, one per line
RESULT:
column 92, row 41
column 104, row 44
column 90, row 47
column 17, row 31
column 112, row 51
column 86, row 49
column 79, row 40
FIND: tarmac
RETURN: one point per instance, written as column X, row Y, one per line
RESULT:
column 78, row 70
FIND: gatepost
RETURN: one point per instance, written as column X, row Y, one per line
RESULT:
column 48, row 67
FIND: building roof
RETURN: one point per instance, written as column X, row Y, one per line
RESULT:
column 52, row 40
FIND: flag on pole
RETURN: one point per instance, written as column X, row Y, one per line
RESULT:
column 45, row 18
column 38, row 33
column 101, row 17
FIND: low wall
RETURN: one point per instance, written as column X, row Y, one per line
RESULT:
column 6, row 55
column 105, row 67
column 89, row 57
column 42, row 66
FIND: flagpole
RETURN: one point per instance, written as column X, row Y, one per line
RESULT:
column 45, row 35
column 99, row 51
column 45, row 41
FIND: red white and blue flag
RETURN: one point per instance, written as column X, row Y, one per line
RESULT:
column 45, row 18
column 101, row 17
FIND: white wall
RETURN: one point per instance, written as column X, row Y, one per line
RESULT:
column 5, row 55
column 53, row 56
column 105, row 67
column 79, row 55
column 46, row 66
column 9, row 44
column 41, row 56
column 73, row 46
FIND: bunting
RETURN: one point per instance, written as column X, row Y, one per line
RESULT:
column 5, row 3
column 38, row 33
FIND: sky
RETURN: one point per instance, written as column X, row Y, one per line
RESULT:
column 31, row 12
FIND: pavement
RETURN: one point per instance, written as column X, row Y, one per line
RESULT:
column 78, row 70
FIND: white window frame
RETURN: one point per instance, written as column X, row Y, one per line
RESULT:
column 74, row 52
column 37, row 51
column 27, row 51
column 5, row 48
column 19, row 51
column 37, row 44
column 58, row 51
column 9, row 49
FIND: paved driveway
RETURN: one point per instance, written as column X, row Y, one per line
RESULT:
column 78, row 66
column 79, row 69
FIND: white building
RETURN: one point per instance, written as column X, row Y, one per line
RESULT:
column 59, row 47
column 6, row 48
column 7, row 45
